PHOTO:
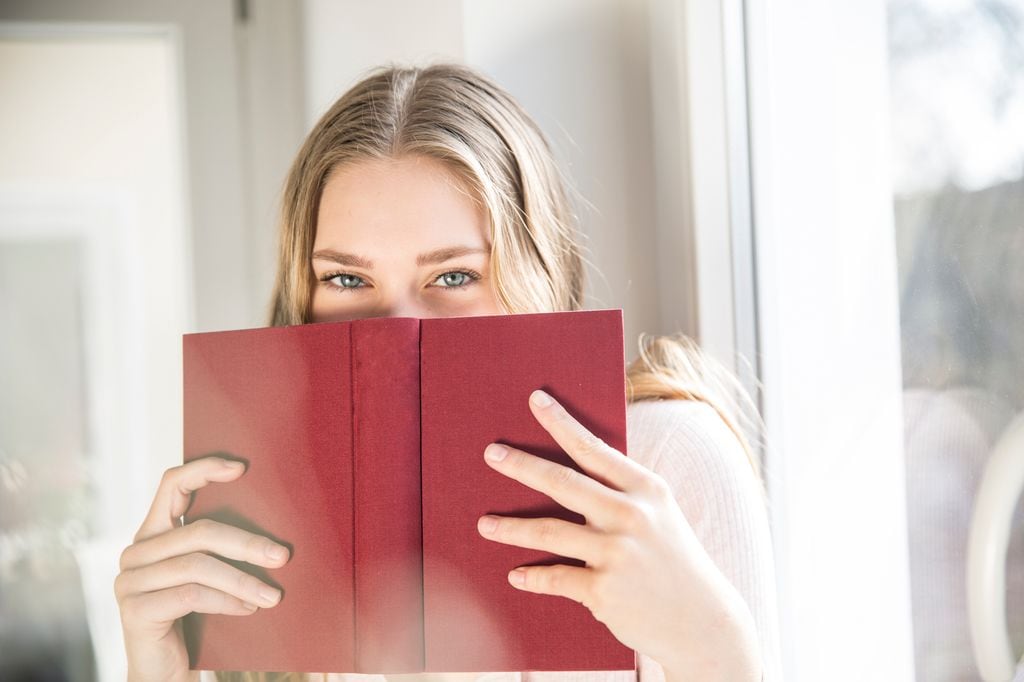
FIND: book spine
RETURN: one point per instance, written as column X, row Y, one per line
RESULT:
column 387, row 508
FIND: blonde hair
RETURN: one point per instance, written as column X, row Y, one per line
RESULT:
column 458, row 116
column 674, row 368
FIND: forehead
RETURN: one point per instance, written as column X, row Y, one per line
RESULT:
column 397, row 203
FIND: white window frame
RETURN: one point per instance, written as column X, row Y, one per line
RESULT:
column 830, row 337
column 705, row 267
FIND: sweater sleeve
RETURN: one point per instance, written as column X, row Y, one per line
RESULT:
column 720, row 495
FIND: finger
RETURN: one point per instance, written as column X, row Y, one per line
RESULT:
column 556, row 536
column 206, row 535
column 176, row 487
column 598, row 503
column 593, row 455
column 559, row 580
column 158, row 610
column 201, row 569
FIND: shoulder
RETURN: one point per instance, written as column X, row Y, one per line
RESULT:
column 666, row 413
column 685, row 429
column 689, row 445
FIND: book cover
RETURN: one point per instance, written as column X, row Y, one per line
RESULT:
column 364, row 443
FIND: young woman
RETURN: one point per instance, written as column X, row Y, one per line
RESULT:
column 427, row 193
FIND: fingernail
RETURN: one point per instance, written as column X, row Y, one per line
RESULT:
column 249, row 607
column 487, row 524
column 277, row 552
column 540, row 398
column 495, row 452
column 233, row 464
column 269, row 596
column 517, row 577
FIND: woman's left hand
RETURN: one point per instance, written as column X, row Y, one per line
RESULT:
column 647, row 577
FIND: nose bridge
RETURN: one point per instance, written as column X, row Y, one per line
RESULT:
column 405, row 304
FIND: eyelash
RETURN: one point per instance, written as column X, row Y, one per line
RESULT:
column 471, row 274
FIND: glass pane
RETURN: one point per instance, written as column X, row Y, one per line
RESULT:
column 957, row 92
column 44, row 499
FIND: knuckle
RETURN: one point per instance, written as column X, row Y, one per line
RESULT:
column 634, row 517
column 121, row 585
column 193, row 564
column 659, row 487
column 547, row 531
column 131, row 610
column 125, row 561
column 503, row 528
column 171, row 475
column 202, row 530
column 618, row 551
column 595, row 595
column 588, row 444
column 189, row 595
column 516, row 458
column 562, row 418
column 563, row 477
column 247, row 584
column 256, row 545
column 549, row 581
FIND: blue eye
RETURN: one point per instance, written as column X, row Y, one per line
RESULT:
column 345, row 281
column 456, row 279
column 453, row 279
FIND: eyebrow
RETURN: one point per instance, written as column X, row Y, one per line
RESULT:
column 429, row 258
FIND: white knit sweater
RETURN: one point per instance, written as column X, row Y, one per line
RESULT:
column 689, row 445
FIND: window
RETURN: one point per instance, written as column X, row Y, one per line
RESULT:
column 957, row 103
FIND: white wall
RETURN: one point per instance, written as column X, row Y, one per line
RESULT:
column 346, row 38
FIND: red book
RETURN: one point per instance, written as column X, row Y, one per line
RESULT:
column 364, row 443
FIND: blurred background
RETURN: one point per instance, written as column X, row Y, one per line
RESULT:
column 829, row 196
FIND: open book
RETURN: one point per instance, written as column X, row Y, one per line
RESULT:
column 364, row 443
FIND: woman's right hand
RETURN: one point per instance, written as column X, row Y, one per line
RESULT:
column 171, row 570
